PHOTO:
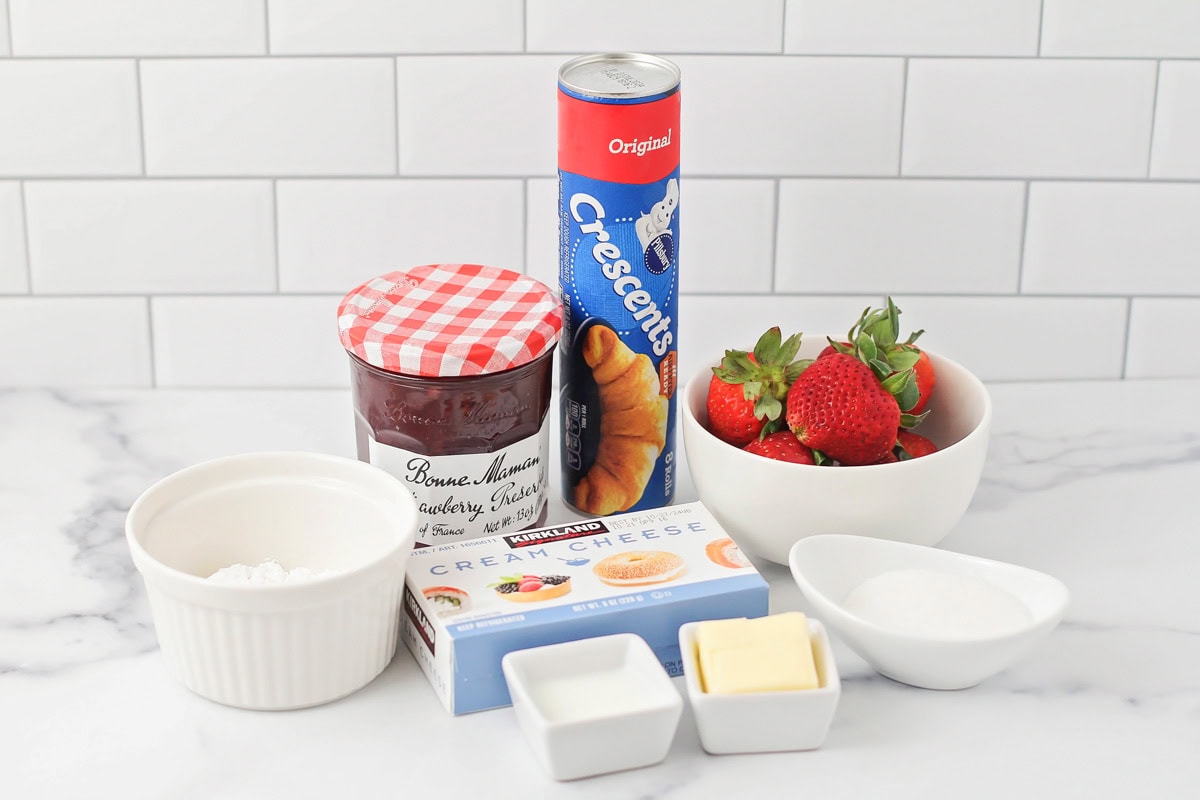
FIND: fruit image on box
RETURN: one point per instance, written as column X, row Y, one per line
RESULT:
column 644, row 572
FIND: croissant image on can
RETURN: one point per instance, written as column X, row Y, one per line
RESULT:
column 633, row 424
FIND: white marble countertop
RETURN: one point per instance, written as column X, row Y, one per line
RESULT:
column 1093, row 482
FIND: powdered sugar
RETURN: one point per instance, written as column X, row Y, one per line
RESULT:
column 268, row 573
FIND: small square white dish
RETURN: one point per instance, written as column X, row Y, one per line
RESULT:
column 923, row 640
column 593, row 706
column 763, row 722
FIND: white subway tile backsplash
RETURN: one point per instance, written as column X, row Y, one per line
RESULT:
column 386, row 26
column 105, row 237
column 248, row 342
column 1113, row 238
column 1176, row 150
column 74, row 341
column 137, row 27
column 665, row 26
column 1121, row 28
column 709, row 325
column 4, row 49
column 1006, row 338
column 1156, row 327
column 13, row 273
column 477, row 115
column 334, row 234
column 179, row 178
column 1028, row 118
column 69, row 118
column 284, row 116
column 913, row 27
column 727, row 235
column 855, row 236
column 772, row 116
column 541, row 230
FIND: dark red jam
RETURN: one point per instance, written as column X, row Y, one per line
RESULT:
column 455, row 416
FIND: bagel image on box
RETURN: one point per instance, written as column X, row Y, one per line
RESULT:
column 467, row 603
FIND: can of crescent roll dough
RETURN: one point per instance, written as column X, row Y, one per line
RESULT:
column 618, row 189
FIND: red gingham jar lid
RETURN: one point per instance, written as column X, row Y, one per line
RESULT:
column 448, row 320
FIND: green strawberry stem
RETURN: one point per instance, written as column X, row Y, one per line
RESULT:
column 766, row 377
column 874, row 340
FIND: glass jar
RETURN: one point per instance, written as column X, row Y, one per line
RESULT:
column 451, row 371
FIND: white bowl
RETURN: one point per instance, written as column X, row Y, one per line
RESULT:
column 828, row 568
column 275, row 646
column 763, row 722
column 767, row 505
column 593, row 706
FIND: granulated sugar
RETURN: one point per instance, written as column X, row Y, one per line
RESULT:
column 269, row 572
column 940, row 605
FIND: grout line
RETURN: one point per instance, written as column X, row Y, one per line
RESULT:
column 1128, row 334
column 974, row 295
column 8, row 21
column 396, row 108
column 525, row 26
column 340, row 291
column 258, row 176
column 783, row 29
column 518, row 54
column 1153, row 116
column 525, row 230
column 132, row 294
column 25, row 234
column 1041, row 25
column 903, row 116
column 267, row 26
column 1024, row 234
column 275, row 226
column 150, row 336
column 415, row 177
column 778, row 187
column 141, row 115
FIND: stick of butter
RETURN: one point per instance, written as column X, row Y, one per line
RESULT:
column 767, row 654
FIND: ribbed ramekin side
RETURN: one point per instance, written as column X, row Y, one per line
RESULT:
column 281, row 659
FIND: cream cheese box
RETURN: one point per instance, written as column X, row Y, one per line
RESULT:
column 467, row 603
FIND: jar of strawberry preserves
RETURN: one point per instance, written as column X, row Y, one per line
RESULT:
column 451, row 368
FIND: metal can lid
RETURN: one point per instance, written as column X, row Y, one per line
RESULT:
column 449, row 320
column 621, row 77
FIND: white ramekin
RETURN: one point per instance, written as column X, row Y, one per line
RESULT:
column 278, row 646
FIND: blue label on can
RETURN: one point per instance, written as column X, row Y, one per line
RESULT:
column 620, row 292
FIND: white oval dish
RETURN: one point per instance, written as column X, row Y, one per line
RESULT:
column 288, row 645
column 827, row 568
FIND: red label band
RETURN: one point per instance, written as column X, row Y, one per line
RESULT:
column 616, row 142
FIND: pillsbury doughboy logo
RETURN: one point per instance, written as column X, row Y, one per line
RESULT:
column 654, row 231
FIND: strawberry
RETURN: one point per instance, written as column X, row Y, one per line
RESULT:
column 925, row 377
column 781, row 446
column 746, row 392
column 839, row 407
column 912, row 445
column 830, row 348
column 905, row 371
